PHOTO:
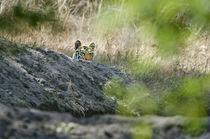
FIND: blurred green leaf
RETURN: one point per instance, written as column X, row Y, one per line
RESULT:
column 142, row 131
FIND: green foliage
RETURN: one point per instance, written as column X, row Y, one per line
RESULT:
column 115, row 88
column 22, row 102
column 194, row 127
column 46, row 13
column 139, row 66
column 134, row 99
column 139, row 99
column 169, row 21
column 189, row 98
column 142, row 131
column 22, row 17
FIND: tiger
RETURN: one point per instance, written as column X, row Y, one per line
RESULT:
column 88, row 52
column 84, row 52
column 77, row 47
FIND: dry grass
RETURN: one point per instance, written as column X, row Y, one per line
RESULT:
column 76, row 18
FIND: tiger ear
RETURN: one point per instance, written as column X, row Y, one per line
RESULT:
column 92, row 45
column 77, row 44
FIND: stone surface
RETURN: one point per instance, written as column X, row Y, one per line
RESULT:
column 46, row 80
column 22, row 123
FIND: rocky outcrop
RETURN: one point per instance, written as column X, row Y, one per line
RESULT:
column 46, row 80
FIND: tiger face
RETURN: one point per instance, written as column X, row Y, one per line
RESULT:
column 84, row 52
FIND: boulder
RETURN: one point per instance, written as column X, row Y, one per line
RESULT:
column 42, row 79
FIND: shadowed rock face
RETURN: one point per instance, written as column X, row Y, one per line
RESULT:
column 46, row 80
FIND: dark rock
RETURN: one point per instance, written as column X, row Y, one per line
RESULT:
column 30, row 74
column 108, row 134
column 4, row 123
column 50, row 125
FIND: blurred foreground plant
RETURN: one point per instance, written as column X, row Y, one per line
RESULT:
column 170, row 22
column 142, row 130
column 190, row 99
column 133, row 100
